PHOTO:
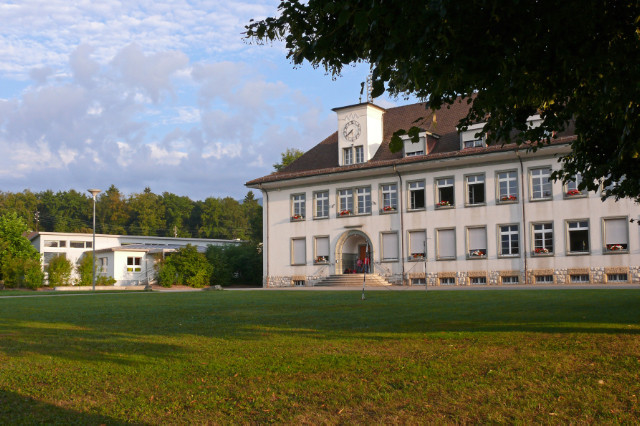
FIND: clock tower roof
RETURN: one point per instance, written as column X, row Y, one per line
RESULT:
column 358, row 105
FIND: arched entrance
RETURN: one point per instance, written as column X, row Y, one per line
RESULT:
column 351, row 246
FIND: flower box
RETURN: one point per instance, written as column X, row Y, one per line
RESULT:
column 297, row 217
column 416, row 256
column 509, row 198
column 322, row 259
column 573, row 193
column 477, row 253
column 389, row 209
column 345, row 213
column 444, row 203
column 541, row 250
column 616, row 247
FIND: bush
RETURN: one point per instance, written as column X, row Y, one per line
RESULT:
column 185, row 266
column 59, row 271
column 84, row 268
column 22, row 273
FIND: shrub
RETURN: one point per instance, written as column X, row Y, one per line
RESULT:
column 185, row 266
column 59, row 271
column 22, row 273
column 84, row 268
column 232, row 264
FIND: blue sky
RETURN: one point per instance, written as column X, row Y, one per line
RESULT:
column 164, row 94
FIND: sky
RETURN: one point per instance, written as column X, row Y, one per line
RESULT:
column 153, row 93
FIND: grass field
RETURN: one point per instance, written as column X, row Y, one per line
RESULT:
column 554, row 356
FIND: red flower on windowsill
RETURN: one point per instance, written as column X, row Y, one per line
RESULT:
column 477, row 253
column 509, row 198
column 345, row 213
column 322, row 259
column 541, row 250
column 615, row 247
column 417, row 255
column 573, row 192
column 297, row 217
column 443, row 203
column 389, row 209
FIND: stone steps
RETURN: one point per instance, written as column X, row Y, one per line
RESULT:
column 353, row 280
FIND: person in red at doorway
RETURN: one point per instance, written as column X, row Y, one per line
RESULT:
column 366, row 264
column 359, row 266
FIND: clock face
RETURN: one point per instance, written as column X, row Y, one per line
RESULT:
column 351, row 131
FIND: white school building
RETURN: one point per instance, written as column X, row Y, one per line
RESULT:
column 448, row 210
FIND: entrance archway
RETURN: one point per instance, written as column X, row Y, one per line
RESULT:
column 351, row 246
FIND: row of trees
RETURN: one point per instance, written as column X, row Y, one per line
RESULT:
column 142, row 213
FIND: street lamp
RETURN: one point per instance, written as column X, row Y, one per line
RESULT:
column 94, row 193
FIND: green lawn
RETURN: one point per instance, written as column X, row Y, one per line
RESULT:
column 554, row 356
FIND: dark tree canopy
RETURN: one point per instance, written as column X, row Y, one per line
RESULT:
column 570, row 61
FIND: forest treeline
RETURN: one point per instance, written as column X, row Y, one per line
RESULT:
column 144, row 213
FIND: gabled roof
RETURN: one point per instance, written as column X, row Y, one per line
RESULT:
column 323, row 158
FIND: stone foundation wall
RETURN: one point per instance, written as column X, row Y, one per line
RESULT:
column 597, row 275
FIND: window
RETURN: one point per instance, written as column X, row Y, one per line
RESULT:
column 80, row 244
column 507, row 186
column 48, row 256
column 474, row 143
column 579, row 278
column 359, row 154
column 541, row 184
column 475, row 189
column 347, row 205
column 509, row 240
column 616, row 235
column 133, row 264
column 418, row 281
column 617, row 278
column 416, row 195
column 446, row 243
column 510, row 279
column 298, row 251
column 347, row 156
column 322, row 204
column 104, row 262
column 544, row 279
column 578, row 236
column 478, row 280
column 469, row 139
column 542, row 238
column 345, row 202
column 447, row 281
column 389, row 197
column 444, row 192
column 389, row 246
column 322, row 249
column 298, row 283
column 571, row 188
column 364, row 200
column 417, row 247
column 477, row 242
column 52, row 243
column 298, row 202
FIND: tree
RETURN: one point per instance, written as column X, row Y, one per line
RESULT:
column 147, row 214
column 574, row 63
column 288, row 157
column 112, row 213
column 19, row 260
column 253, row 214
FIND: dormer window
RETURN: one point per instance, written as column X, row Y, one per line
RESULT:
column 353, row 155
column 359, row 154
column 413, row 149
column 468, row 138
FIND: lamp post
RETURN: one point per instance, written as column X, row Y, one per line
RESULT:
column 94, row 193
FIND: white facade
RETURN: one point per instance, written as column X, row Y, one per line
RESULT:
column 490, row 217
column 129, row 259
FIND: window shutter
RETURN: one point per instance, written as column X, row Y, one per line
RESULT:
column 447, row 243
column 390, row 246
column 615, row 231
column 477, row 238
column 299, row 251
column 322, row 246
column 417, row 239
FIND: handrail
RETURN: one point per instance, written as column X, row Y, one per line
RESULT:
column 381, row 266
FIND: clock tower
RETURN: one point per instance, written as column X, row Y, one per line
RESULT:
column 359, row 132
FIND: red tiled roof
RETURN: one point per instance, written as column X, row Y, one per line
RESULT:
column 323, row 158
